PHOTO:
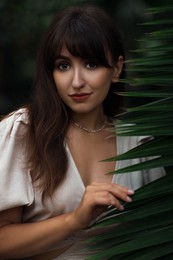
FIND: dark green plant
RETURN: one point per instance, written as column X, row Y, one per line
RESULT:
column 145, row 228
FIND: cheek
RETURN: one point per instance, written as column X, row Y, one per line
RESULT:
column 103, row 82
column 104, row 77
column 56, row 79
column 60, row 83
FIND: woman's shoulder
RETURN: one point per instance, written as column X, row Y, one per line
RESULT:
column 14, row 123
column 18, row 115
column 126, row 143
column 15, row 178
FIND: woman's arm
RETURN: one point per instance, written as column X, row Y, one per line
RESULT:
column 26, row 239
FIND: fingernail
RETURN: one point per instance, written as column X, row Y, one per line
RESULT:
column 131, row 192
column 128, row 199
column 121, row 207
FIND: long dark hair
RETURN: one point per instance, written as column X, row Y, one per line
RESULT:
column 87, row 32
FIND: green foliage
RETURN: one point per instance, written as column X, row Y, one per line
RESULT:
column 144, row 230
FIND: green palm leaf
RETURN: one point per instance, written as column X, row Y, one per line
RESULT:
column 149, row 148
column 145, row 229
column 137, row 226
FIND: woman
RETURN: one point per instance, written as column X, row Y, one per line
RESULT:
column 53, row 183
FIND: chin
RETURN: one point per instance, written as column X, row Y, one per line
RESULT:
column 80, row 110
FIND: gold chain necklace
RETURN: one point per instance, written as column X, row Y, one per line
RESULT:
column 90, row 130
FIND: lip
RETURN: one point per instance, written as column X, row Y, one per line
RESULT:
column 79, row 97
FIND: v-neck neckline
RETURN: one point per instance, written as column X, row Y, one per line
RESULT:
column 76, row 168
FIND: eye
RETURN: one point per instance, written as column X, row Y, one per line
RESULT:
column 62, row 66
column 91, row 65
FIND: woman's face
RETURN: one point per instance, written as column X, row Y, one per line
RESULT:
column 82, row 84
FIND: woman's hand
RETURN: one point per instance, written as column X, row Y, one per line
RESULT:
column 96, row 198
column 27, row 239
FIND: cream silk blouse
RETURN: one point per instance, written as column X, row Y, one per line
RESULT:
column 17, row 189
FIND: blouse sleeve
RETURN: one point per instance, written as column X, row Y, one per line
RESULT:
column 15, row 181
column 153, row 173
column 136, row 179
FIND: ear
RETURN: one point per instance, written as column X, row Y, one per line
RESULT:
column 118, row 69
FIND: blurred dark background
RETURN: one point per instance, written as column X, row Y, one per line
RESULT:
column 21, row 28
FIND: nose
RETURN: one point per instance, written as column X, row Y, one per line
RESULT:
column 77, row 78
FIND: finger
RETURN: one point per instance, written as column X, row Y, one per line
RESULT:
column 105, row 199
column 120, row 194
column 123, row 188
column 117, row 190
column 115, row 185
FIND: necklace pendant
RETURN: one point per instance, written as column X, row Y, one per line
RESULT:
column 90, row 130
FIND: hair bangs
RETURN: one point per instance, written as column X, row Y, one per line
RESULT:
column 83, row 42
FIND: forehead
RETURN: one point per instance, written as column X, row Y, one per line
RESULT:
column 65, row 53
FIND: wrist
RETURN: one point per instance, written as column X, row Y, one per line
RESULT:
column 72, row 223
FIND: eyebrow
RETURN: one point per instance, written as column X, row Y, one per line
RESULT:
column 62, row 57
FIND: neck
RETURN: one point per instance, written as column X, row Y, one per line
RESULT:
column 89, row 130
column 89, row 121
